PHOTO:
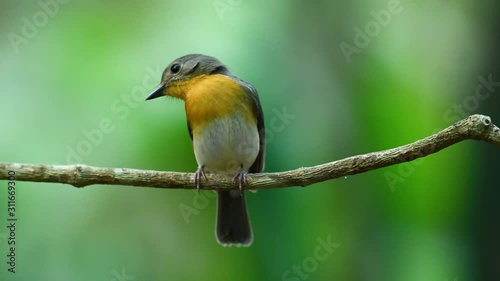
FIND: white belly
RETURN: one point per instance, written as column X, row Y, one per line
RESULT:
column 226, row 145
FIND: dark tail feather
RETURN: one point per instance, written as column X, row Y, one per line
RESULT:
column 233, row 225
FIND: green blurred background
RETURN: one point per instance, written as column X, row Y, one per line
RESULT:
column 353, row 77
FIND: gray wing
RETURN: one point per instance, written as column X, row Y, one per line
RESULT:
column 258, row 165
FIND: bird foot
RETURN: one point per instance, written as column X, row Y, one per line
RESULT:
column 198, row 175
column 241, row 176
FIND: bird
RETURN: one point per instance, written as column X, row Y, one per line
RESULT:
column 225, row 121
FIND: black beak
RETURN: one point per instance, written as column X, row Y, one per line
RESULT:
column 158, row 92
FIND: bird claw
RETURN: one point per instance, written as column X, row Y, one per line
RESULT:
column 198, row 175
column 241, row 176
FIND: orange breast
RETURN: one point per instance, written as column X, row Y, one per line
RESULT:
column 215, row 96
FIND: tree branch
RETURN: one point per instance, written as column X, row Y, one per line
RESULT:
column 475, row 127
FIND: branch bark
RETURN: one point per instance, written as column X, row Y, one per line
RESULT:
column 475, row 127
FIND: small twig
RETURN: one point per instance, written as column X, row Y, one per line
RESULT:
column 475, row 127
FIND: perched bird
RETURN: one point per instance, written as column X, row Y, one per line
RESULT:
column 226, row 125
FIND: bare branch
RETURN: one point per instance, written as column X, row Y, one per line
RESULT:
column 475, row 127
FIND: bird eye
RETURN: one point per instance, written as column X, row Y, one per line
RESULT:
column 175, row 68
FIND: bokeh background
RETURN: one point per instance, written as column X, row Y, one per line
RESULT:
column 335, row 78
